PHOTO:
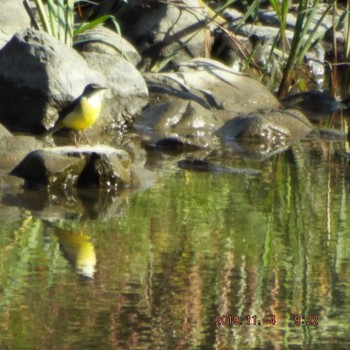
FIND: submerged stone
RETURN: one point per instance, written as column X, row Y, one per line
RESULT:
column 204, row 165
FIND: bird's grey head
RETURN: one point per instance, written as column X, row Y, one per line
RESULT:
column 92, row 88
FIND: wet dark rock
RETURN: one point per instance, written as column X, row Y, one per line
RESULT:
column 314, row 61
column 175, row 115
column 277, row 127
column 13, row 17
column 64, row 168
column 204, row 165
column 174, row 145
column 257, row 151
column 315, row 104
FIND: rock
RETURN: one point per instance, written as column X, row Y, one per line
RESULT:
column 4, row 132
column 258, row 151
column 329, row 135
column 10, row 183
column 227, row 51
column 204, row 165
column 176, row 115
column 103, row 40
column 315, row 104
column 232, row 15
column 264, row 33
column 159, row 30
column 314, row 61
column 269, row 17
column 13, row 18
column 277, row 127
column 38, row 77
column 224, row 88
column 14, row 148
column 175, row 145
column 201, row 96
column 63, row 168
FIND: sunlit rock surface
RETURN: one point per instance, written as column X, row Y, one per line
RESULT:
column 13, row 17
column 201, row 96
column 160, row 29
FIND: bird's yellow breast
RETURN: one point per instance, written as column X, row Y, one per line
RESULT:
column 84, row 115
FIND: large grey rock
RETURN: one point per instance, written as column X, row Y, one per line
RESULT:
column 38, row 77
column 106, row 41
column 13, row 17
column 160, row 29
column 64, row 168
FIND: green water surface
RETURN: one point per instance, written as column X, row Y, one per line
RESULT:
column 197, row 261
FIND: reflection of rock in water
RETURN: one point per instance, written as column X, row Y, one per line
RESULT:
column 78, row 250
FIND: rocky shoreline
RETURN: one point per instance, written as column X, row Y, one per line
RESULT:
column 185, row 109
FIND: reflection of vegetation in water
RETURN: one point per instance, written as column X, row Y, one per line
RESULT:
column 195, row 246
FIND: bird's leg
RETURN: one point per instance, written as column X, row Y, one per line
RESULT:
column 87, row 139
column 76, row 138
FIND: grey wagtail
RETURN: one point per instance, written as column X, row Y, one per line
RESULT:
column 82, row 112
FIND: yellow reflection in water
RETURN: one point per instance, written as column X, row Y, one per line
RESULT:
column 78, row 250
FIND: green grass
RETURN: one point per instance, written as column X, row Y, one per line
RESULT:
column 57, row 19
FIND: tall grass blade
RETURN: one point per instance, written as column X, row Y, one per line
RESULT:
column 300, row 42
column 347, row 32
column 52, row 8
column 61, row 20
column 43, row 16
column 69, row 25
column 90, row 25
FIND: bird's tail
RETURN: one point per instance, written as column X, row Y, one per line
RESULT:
column 50, row 131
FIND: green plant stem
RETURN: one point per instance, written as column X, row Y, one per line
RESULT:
column 43, row 16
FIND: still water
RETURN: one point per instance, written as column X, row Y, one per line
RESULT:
column 199, row 260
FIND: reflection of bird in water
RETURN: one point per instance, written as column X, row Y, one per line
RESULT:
column 82, row 112
column 315, row 104
column 78, row 250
